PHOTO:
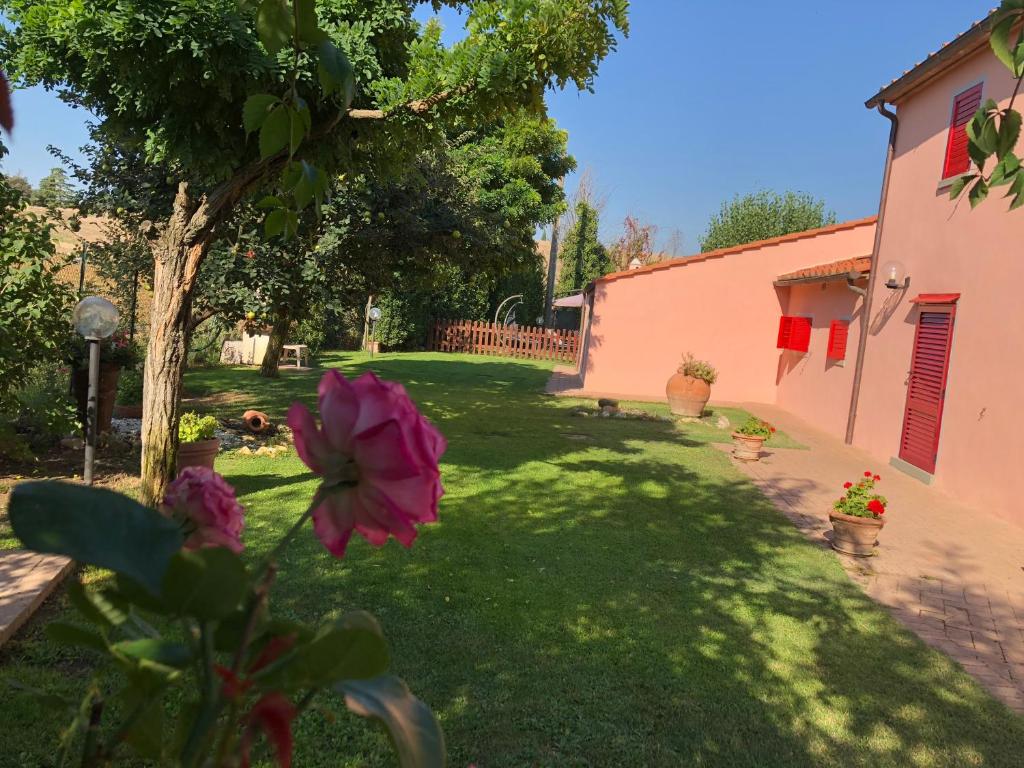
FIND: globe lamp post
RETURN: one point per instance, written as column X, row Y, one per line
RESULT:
column 95, row 318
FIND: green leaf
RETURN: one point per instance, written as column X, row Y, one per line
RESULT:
column 63, row 633
column 207, row 584
column 353, row 648
column 336, row 73
column 309, row 30
column 959, row 184
column 297, row 131
column 43, row 698
column 274, row 24
column 130, row 591
column 94, row 606
column 255, row 111
column 275, row 132
column 1005, row 170
column 1017, row 190
column 145, row 734
column 999, row 39
column 275, row 222
column 165, row 652
column 270, row 201
column 1009, row 132
column 95, row 526
column 978, row 192
column 412, row 727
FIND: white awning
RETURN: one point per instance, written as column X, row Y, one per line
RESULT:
column 576, row 300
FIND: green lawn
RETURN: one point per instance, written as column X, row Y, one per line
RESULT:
column 599, row 592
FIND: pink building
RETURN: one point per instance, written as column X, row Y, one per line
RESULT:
column 783, row 319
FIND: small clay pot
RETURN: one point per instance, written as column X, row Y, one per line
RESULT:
column 201, row 453
column 854, row 535
column 128, row 411
column 687, row 396
column 256, row 421
column 746, row 447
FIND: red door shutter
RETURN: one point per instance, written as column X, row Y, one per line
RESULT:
column 964, row 106
column 926, row 388
column 837, row 335
column 785, row 332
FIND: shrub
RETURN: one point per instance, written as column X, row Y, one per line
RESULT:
column 755, row 427
column 698, row 369
column 205, row 346
column 116, row 349
column 129, row 387
column 43, row 413
column 192, row 428
column 860, row 499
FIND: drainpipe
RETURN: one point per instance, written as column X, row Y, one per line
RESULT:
column 865, row 319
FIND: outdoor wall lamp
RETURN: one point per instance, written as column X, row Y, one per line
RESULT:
column 635, row 263
column 896, row 277
column 95, row 318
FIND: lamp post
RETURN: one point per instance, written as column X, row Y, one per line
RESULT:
column 374, row 315
column 95, row 318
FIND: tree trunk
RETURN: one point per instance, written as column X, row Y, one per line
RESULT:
column 269, row 368
column 177, row 257
column 366, row 324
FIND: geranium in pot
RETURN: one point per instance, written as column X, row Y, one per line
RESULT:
column 129, row 395
column 197, row 446
column 748, row 439
column 689, row 388
column 857, row 517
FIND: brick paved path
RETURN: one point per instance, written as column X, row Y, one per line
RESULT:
column 952, row 575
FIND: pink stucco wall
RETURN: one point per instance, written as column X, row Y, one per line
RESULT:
column 947, row 247
column 810, row 385
column 724, row 309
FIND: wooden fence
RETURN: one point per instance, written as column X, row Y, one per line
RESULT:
column 477, row 337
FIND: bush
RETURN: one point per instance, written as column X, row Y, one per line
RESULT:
column 192, row 428
column 44, row 413
column 204, row 348
column 115, row 349
column 755, row 427
column 698, row 369
column 129, row 387
column 312, row 332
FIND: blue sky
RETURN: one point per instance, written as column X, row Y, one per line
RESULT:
column 704, row 100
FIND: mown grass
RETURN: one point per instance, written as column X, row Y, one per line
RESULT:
column 599, row 592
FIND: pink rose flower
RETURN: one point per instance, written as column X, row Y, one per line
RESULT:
column 206, row 505
column 378, row 457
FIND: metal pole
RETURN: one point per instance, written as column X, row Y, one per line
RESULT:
column 373, row 335
column 91, row 408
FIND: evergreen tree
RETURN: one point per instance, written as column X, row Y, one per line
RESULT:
column 55, row 190
column 583, row 256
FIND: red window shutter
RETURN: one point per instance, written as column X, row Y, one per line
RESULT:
column 964, row 106
column 800, row 340
column 785, row 332
column 837, row 335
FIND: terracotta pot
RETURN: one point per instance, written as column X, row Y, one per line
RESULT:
column 198, row 454
column 687, row 396
column 128, row 411
column 256, row 421
column 746, row 447
column 855, row 535
column 105, row 397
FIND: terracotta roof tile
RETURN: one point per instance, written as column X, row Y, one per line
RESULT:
column 685, row 260
column 832, row 269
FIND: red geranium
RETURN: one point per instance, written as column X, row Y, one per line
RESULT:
column 847, row 485
column 876, row 507
column 877, row 478
column 867, row 473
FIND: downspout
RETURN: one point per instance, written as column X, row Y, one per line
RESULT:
column 865, row 320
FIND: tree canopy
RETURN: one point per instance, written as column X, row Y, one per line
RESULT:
column 583, row 256
column 55, row 190
column 762, row 215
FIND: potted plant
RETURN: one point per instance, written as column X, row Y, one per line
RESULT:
column 129, row 395
column 748, row 439
column 116, row 353
column 197, row 445
column 857, row 517
column 689, row 389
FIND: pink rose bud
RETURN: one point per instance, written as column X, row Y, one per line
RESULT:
column 207, row 508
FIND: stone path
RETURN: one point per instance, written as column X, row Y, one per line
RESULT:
column 951, row 574
column 26, row 580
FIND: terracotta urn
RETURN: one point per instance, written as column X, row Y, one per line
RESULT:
column 106, row 394
column 201, row 453
column 128, row 411
column 687, row 396
column 746, row 447
column 853, row 535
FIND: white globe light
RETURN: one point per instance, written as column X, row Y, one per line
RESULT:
column 375, row 314
column 95, row 317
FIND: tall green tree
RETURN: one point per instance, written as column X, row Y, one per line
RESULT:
column 55, row 190
column 207, row 59
column 583, row 256
column 761, row 215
